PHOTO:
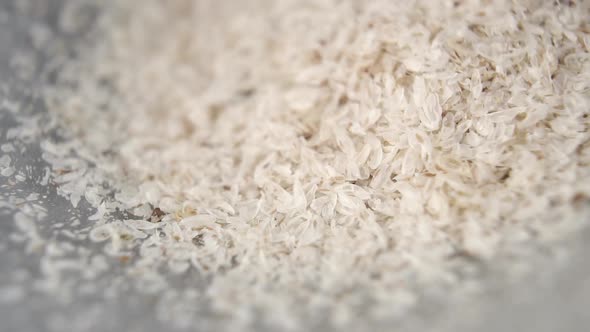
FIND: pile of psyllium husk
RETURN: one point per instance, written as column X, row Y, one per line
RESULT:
column 323, row 156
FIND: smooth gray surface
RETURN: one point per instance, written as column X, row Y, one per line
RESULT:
column 555, row 297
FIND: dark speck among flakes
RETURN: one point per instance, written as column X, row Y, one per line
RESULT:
column 199, row 240
column 157, row 215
